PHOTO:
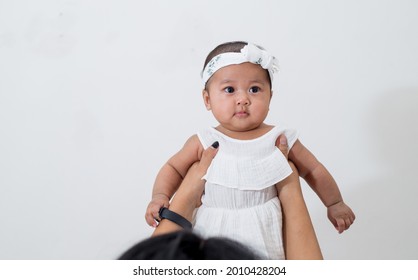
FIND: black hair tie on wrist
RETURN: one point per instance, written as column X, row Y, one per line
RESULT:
column 175, row 218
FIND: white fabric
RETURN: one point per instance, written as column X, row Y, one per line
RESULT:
column 240, row 200
column 247, row 164
column 249, row 53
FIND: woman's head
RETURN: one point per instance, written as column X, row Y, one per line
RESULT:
column 184, row 245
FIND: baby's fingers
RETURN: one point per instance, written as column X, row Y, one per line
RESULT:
column 152, row 215
column 348, row 223
column 341, row 225
column 352, row 216
column 149, row 217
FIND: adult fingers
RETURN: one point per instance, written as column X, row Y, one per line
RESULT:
column 281, row 143
column 208, row 156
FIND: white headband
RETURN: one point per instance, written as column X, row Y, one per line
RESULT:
column 249, row 53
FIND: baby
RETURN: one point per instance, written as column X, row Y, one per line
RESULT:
column 240, row 199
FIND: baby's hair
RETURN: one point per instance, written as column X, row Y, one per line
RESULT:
column 234, row 46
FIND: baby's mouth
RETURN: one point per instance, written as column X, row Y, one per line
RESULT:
column 241, row 114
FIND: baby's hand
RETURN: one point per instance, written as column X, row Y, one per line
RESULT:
column 341, row 216
column 152, row 213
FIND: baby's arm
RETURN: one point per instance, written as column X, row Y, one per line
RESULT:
column 324, row 185
column 171, row 175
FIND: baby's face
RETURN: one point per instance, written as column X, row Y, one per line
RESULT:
column 239, row 96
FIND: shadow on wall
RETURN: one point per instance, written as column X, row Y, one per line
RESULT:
column 387, row 206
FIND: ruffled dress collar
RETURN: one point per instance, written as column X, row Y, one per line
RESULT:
column 247, row 164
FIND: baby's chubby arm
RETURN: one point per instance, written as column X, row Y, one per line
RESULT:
column 324, row 185
column 171, row 175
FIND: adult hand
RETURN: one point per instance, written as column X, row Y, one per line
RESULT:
column 299, row 236
column 281, row 143
column 188, row 196
column 193, row 185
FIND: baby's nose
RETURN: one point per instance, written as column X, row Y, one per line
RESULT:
column 242, row 99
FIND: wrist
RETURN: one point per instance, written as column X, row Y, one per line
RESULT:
column 156, row 195
column 183, row 204
column 190, row 192
column 334, row 203
column 174, row 217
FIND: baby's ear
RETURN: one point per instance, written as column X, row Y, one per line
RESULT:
column 206, row 99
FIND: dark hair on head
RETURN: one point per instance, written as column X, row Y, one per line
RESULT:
column 185, row 245
column 234, row 46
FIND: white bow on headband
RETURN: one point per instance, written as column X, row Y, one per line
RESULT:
column 249, row 53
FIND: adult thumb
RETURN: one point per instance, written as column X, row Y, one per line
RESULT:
column 208, row 155
column 281, row 143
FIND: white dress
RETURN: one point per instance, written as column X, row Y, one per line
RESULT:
column 240, row 200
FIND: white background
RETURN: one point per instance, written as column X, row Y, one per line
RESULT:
column 96, row 95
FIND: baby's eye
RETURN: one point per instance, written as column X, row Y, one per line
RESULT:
column 254, row 89
column 229, row 89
